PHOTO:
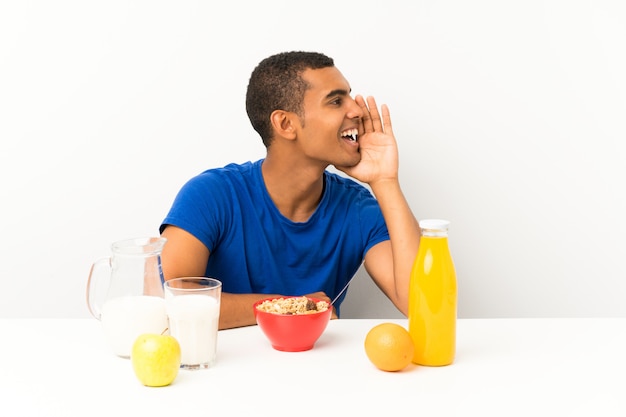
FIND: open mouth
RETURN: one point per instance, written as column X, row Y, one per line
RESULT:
column 351, row 135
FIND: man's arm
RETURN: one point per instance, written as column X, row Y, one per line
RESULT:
column 185, row 256
column 388, row 263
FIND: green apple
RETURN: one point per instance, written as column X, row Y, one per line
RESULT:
column 156, row 359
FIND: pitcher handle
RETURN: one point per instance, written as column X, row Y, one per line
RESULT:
column 94, row 283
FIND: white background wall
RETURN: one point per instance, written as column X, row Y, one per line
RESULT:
column 510, row 117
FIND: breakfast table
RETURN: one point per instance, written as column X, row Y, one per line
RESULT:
column 503, row 367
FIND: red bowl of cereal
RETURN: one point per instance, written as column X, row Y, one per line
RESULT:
column 292, row 324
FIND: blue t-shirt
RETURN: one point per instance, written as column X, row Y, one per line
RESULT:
column 255, row 249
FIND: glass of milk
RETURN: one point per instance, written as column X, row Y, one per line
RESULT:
column 193, row 309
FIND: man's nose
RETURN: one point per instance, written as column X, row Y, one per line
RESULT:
column 355, row 110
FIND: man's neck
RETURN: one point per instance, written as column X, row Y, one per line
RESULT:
column 295, row 189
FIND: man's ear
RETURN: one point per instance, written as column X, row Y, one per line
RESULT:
column 284, row 124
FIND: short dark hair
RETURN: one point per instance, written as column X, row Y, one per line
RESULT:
column 276, row 84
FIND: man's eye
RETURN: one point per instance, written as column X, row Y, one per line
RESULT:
column 337, row 101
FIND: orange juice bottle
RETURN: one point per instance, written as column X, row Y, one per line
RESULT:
column 433, row 297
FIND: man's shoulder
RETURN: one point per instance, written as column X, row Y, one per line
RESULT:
column 244, row 168
column 344, row 184
column 227, row 173
column 222, row 181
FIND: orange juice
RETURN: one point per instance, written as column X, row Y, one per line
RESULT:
column 433, row 297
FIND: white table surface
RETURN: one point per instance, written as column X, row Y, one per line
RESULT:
column 504, row 367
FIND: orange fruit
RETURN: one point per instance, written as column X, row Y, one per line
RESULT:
column 389, row 347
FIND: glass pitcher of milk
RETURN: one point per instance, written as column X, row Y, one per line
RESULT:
column 125, row 292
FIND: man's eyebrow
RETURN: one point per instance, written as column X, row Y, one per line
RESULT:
column 338, row 92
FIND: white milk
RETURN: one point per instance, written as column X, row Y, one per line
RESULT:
column 194, row 322
column 125, row 318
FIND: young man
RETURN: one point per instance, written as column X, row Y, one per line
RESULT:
column 284, row 225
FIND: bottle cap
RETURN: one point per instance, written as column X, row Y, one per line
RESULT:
column 434, row 224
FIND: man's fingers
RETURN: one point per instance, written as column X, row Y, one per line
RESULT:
column 366, row 120
column 372, row 120
column 386, row 119
column 376, row 122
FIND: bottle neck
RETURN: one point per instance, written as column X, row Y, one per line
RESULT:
column 434, row 227
column 434, row 233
